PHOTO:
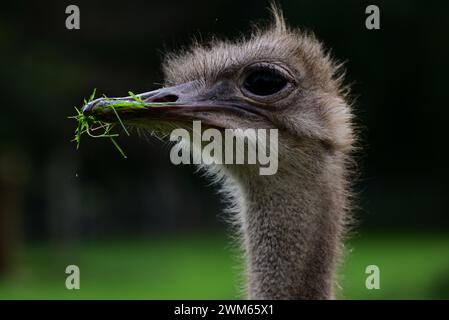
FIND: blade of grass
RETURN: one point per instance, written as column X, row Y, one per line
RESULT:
column 92, row 96
column 136, row 98
column 120, row 120
column 118, row 148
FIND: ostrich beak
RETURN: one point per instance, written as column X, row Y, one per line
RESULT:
column 177, row 103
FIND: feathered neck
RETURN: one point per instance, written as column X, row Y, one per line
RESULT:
column 291, row 225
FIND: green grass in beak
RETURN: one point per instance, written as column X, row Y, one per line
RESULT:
column 94, row 128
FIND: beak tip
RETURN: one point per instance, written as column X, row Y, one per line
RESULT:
column 89, row 107
column 86, row 108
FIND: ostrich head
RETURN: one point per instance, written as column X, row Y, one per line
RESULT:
column 277, row 78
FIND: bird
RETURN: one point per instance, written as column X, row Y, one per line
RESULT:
column 291, row 225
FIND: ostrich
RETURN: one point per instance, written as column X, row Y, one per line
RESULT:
column 291, row 224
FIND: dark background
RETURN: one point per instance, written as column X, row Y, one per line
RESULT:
column 52, row 192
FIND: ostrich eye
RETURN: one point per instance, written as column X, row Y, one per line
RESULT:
column 265, row 82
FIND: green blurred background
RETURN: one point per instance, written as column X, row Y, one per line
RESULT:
column 143, row 228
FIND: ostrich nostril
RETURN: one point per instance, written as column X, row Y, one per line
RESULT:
column 166, row 98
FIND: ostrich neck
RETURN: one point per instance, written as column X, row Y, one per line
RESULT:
column 291, row 224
